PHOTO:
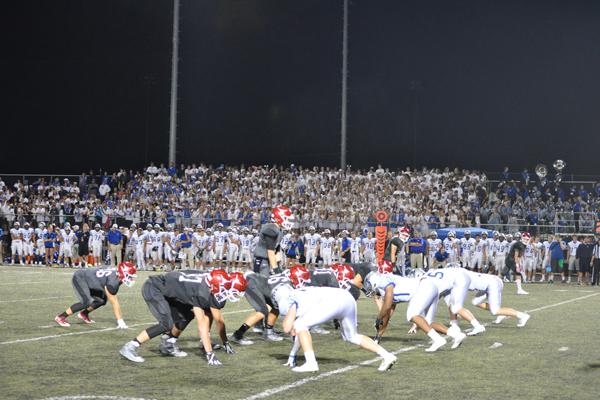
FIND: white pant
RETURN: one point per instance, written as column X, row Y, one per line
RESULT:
column 369, row 256
column 311, row 256
column 456, row 299
column 423, row 302
column 477, row 260
column 499, row 262
column 529, row 264
column 466, row 260
column 573, row 264
column 156, row 254
column 493, row 296
column 207, row 255
column 67, row 250
column 27, row 248
column 232, row 252
column 188, row 257
column 167, row 253
column 140, row 258
column 16, row 247
column 245, row 256
column 354, row 257
column 333, row 303
column 326, row 255
column 218, row 253
column 97, row 249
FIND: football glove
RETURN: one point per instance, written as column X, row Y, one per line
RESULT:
column 291, row 362
column 121, row 324
column 212, row 359
column 336, row 324
column 378, row 323
column 228, row 348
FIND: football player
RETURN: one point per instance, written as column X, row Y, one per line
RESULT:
column 489, row 297
column 246, row 244
column 28, row 240
column 479, row 254
column 220, row 242
column 467, row 244
column 16, row 245
column 394, row 246
column 326, row 247
column 259, row 294
column 433, row 244
column 176, row 298
column 499, row 250
column 94, row 286
column 311, row 246
column 265, row 259
column 139, row 243
column 310, row 306
column 95, row 244
column 355, row 247
column 369, row 244
column 422, row 296
column 514, row 259
column 451, row 246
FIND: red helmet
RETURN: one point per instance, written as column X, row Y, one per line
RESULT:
column 344, row 274
column 238, row 286
column 384, row 267
column 219, row 283
column 282, row 216
column 127, row 273
column 299, row 276
column 404, row 234
column 525, row 237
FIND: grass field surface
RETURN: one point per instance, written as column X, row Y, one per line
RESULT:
column 556, row 356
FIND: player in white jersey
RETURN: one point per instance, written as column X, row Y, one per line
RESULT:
column 453, row 284
column 28, row 235
column 452, row 247
column 529, row 260
column 139, row 242
column 16, row 245
column 255, row 239
column 199, row 244
column 489, row 242
column 467, row 244
column 545, row 256
column 573, row 262
column 151, row 238
column 499, row 252
column 169, row 246
column 489, row 297
column 311, row 246
column 246, row 248
column 479, row 255
column 422, row 297
column 233, row 249
column 368, row 249
column 40, row 250
column 157, row 255
column 310, row 306
column 283, row 247
column 67, row 241
column 326, row 247
column 209, row 252
column 220, row 242
column 433, row 244
column 95, row 244
column 355, row 248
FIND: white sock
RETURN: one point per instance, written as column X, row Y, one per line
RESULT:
column 434, row 335
column 381, row 352
column 453, row 322
column 135, row 344
column 475, row 323
column 521, row 314
column 309, row 356
column 519, row 287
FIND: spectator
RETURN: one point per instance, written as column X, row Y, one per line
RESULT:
column 416, row 249
column 584, row 258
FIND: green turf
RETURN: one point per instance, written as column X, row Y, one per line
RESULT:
column 528, row 365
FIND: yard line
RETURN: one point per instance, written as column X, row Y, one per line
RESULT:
column 23, row 283
column 283, row 388
column 38, row 298
column 39, row 338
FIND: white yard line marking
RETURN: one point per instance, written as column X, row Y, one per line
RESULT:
column 23, row 283
column 39, row 338
column 36, row 299
column 283, row 388
column 84, row 397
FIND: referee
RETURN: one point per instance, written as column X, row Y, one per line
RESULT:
column 596, row 263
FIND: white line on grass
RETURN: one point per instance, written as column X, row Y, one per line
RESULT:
column 23, row 283
column 283, row 388
column 39, row 338
column 36, row 299
column 82, row 397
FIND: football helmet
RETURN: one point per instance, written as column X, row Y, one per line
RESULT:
column 219, row 283
column 126, row 272
column 404, row 234
column 282, row 216
column 344, row 274
column 517, row 236
column 467, row 232
column 525, row 238
column 452, row 234
column 299, row 276
column 384, row 267
column 484, row 233
column 238, row 286
column 434, row 233
column 368, row 287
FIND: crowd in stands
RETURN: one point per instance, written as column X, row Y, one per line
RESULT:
column 324, row 197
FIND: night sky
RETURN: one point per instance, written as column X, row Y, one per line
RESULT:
column 86, row 84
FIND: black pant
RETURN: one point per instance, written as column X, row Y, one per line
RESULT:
column 595, row 272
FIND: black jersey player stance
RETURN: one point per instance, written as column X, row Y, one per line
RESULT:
column 269, row 237
column 176, row 298
column 515, row 253
column 259, row 294
column 93, row 287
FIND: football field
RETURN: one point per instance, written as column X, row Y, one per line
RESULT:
column 556, row 356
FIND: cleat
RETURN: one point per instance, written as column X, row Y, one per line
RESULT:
column 257, row 329
column 291, row 362
column 387, row 362
column 522, row 292
column 129, row 351
column 499, row 319
column 306, row 367
column 62, row 321
column 523, row 321
column 436, row 345
column 477, row 330
column 272, row 336
column 319, row 331
column 458, row 339
column 85, row 317
column 241, row 341
column 167, row 348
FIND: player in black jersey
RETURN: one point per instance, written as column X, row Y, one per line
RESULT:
column 394, row 246
column 514, row 258
column 175, row 299
column 259, row 293
column 94, row 287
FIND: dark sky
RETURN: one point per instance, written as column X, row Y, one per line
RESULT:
column 86, row 84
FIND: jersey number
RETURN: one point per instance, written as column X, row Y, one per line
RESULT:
column 101, row 273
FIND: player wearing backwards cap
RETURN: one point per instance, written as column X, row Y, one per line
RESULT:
column 94, row 286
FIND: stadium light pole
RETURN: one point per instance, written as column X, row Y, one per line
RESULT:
column 174, row 76
column 344, row 86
